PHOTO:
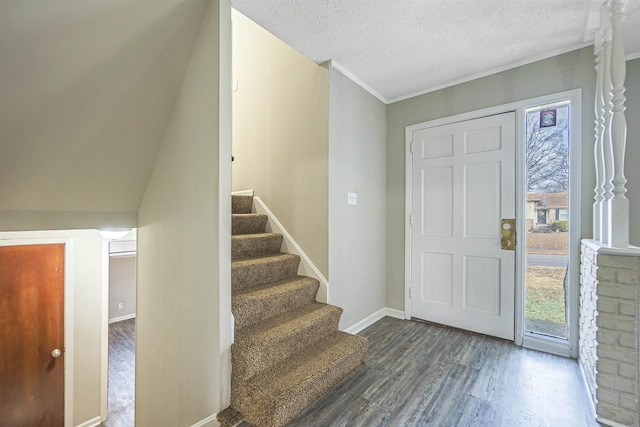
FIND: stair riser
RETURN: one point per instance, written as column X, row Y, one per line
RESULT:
column 251, row 311
column 247, row 276
column 255, row 246
column 296, row 403
column 248, row 224
column 285, row 408
column 248, row 360
column 241, row 204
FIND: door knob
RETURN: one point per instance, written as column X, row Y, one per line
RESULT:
column 56, row 353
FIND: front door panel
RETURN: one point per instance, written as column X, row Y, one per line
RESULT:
column 463, row 185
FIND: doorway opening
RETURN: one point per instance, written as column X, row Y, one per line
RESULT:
column 548, row 220
column 122, row 332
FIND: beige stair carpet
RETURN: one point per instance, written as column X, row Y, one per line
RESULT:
column 288, row 352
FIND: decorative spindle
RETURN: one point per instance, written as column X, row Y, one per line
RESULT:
column 607, row 150
column 598, row 153
column 619, row 203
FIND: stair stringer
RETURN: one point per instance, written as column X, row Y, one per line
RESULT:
column 306, row 267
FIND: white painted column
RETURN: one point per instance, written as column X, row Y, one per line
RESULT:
column 618, row 204
column 607, row 150
column 599, row 126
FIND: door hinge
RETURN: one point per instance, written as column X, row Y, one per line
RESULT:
column 411, row 220
column 411, row 147
column 411, row 292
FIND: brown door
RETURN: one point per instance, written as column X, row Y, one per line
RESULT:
column 31, row 328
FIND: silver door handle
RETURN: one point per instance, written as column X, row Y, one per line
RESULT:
column 56, row 353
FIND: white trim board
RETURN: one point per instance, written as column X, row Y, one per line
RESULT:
column 95, row 421
column 242, row 193
column 121, row 318
column 492, row 71
column 307, row 267
column 205, row 421
column 592, row 406
column 608, row 422
column 104, row 332
column 373, row 318
column 356, row 80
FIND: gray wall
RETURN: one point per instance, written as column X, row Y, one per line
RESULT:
column 83, row 112
column 632, row 163
column 564, row 72
column 183, row 314
column 357, row 234
column 122, row 286
column 280, row 134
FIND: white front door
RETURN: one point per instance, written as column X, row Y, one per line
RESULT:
column 463, row 184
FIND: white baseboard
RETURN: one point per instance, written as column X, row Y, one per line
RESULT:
column 91, row 423
column 307, row 267
column 592, row 404
column 373, row 318
column 242, row 193
column 396, row 314
column 204, row 422
column 610, row 423
column 121, row 318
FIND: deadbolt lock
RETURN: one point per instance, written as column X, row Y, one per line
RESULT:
column 508, row 234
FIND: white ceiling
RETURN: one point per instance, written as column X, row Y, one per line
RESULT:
column 402, row 48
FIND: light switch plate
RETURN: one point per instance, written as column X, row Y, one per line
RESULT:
column 352, row 198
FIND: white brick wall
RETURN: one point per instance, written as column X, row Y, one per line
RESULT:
column 588, row 307
column 609, row 331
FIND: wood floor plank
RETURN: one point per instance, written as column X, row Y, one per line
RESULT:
column 121, row 392
column 424, row 375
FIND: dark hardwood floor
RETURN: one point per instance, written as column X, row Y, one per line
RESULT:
column 416, row 375
column 121, row 399
column 425, row 375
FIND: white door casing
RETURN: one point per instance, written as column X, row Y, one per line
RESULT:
column 463, row 184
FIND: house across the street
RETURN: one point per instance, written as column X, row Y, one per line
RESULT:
column 543, row 209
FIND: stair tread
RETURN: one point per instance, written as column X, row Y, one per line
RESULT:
column 305, row 366
column 288, row 351
column 262, row 259
column 284, row 324
column 244, row 246
column 280, row 287
column 259, row 303
column 247, row 215
column 250, row 272
column 263, row 235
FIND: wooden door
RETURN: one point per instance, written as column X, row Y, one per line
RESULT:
column 31, row 327
column 463, row 184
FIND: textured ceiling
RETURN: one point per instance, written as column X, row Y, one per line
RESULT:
column 402, row 48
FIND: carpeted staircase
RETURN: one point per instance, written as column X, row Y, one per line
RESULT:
column 288, row 351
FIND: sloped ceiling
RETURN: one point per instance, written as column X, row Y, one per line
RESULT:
column 87, row 89
column 399, row 49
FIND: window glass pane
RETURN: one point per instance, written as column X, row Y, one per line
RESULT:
column 547, row 215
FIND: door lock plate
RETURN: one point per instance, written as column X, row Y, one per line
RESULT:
column 508, row 234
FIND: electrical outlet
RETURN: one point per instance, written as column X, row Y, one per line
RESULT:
column 120, row 306
column 352, row 198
